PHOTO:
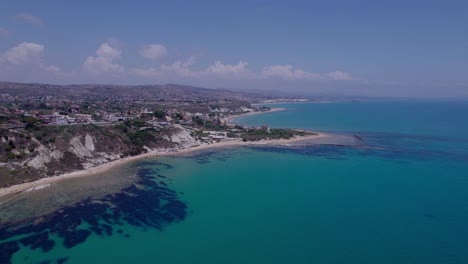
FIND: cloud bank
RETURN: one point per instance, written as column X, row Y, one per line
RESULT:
column 289, row 72
column 108, row 64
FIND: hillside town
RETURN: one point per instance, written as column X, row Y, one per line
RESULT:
column 16, row 113
column 160, row 106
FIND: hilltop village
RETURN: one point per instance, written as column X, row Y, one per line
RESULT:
column 48, row 130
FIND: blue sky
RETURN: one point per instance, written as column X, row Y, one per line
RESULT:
column 362, row 48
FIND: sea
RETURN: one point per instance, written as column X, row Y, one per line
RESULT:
column 400, row 196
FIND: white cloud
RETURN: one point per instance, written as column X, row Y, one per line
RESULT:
column 239, row 69
column 29, row 18
column 181, row 68
column 4, row 32
column 53, row 69
column 178, row 68
column 340, row 76
column 24, row 53
column 108, row 52
column 29, row 56
column 288, row 72
column 103, row 62
column 153, row 51
column 184, row 69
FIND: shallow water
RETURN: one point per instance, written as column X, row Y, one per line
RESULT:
column 56, row 195
column 399, row 198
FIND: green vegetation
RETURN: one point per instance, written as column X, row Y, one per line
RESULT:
column 264, row 108
column 256, row 135
column 139, row 139
column 198, row 120
column 159, row 114
column 136, row 134
column 47, row 134
column 208, row 124
column 3, row 132
column 178, row 116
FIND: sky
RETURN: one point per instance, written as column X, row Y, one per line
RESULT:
column 337, row 48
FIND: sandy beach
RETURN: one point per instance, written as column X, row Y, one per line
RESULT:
column 45, row 182
column 230, row 119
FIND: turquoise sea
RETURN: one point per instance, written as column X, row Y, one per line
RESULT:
column 402, row 197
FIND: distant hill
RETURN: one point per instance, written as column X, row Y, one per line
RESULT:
column 153, row 92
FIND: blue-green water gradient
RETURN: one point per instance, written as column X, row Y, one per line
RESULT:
column 401, row 198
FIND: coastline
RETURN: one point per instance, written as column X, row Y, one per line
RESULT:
column 46, row 182
column 230, row 119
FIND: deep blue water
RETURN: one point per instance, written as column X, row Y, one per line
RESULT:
column 441, row 119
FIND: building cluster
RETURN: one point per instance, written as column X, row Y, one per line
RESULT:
column 75, row 115
column 203, row 115
column 58, row 119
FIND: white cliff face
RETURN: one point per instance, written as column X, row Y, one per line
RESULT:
column 87, row 152
column 84, row 147
column 110, row 156
column 77, row 148
column 84, row 150
column 89, row 143
column 182, row 137
column 45, row 156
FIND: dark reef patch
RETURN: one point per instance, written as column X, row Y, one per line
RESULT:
column 395, row 146
column 73, row 238
column 40, row 240
column 7, row 249
column 326, row 151
column 219, row 154
column 391, row 146
column 154, row 163
column 147, row 203
column 62, row 260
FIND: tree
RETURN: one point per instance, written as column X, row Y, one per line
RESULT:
column 31, row 122
column 198, row 120
column 178, row 116
column 159, row 113
column 43, row 106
